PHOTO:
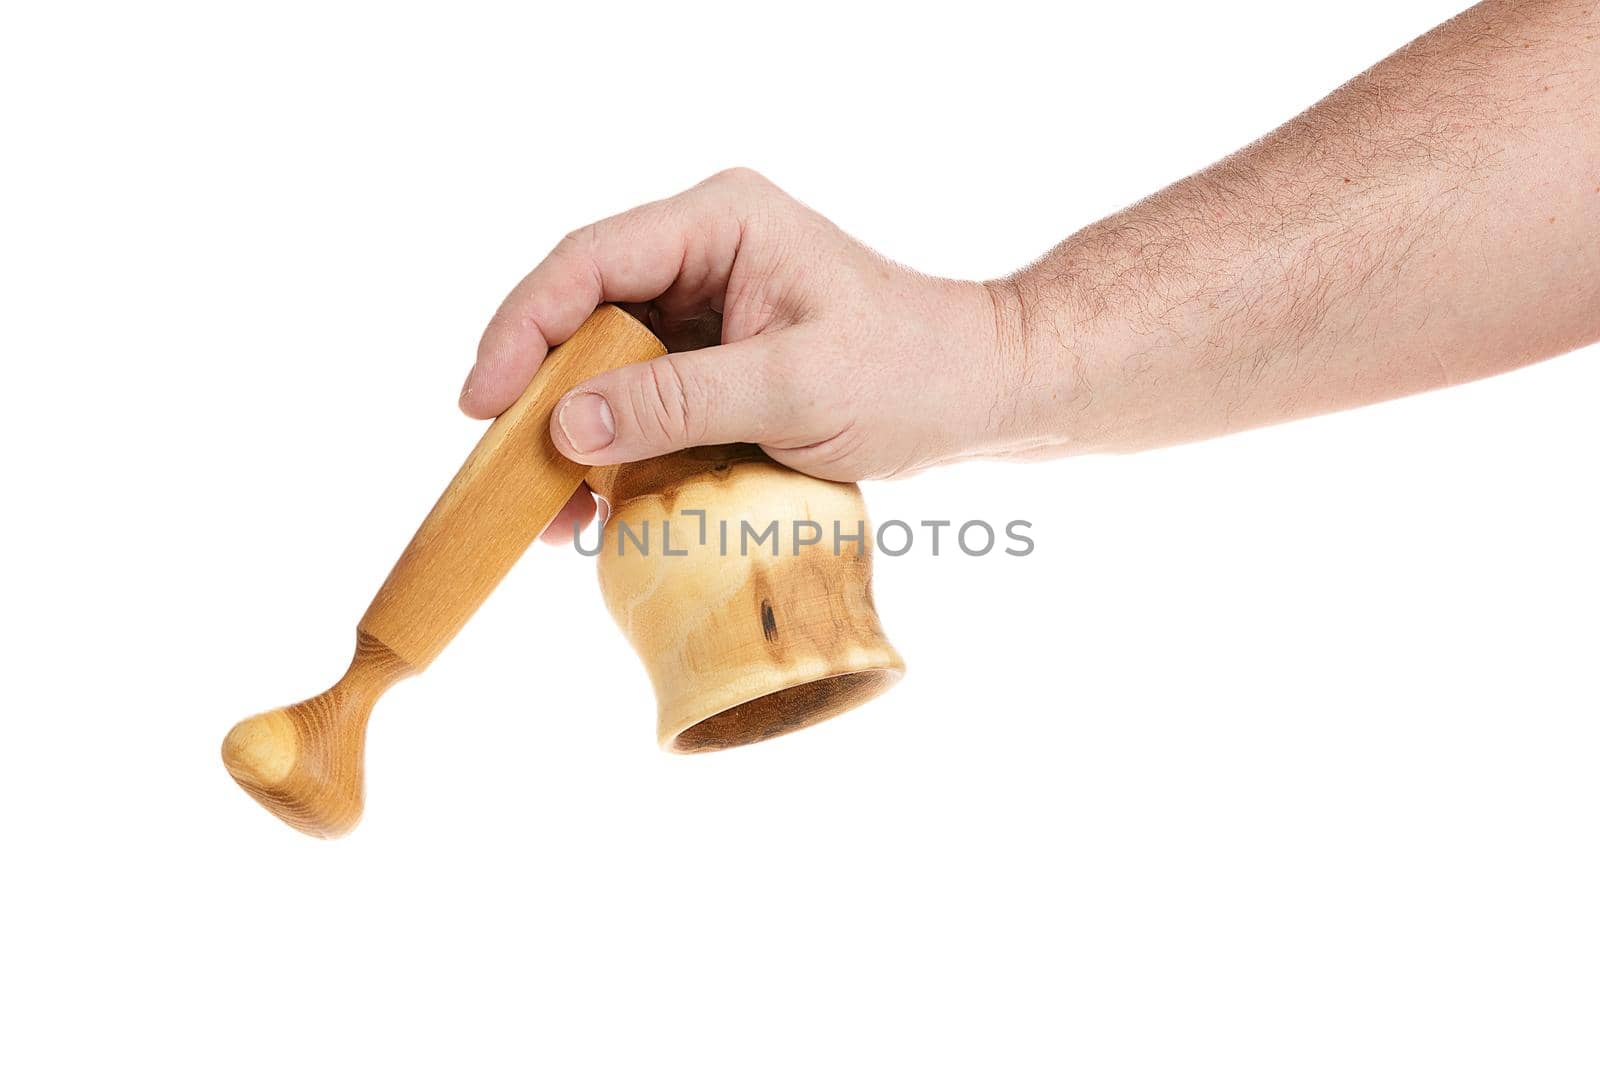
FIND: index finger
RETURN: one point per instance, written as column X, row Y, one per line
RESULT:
column 633, row 257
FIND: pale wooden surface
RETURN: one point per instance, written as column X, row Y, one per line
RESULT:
column 740, row 647
column 509, row 489
column 304, row 762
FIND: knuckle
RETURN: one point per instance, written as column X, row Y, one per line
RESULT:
column 739, row 176
column 579, row 240
column 741, row 183
column 667, row 409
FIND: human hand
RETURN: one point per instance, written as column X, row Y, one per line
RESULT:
column 781, row 331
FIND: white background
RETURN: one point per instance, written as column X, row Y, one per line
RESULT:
column 1279, row 749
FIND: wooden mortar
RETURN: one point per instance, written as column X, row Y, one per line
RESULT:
column 745, row 637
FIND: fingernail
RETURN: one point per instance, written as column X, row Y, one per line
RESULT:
column 586, row 420
column 466, row 386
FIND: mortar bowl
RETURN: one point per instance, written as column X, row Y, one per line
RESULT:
column 746, row 589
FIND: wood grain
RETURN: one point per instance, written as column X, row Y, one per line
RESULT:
column 304, row 762
column 741, row 645
column 509, row 489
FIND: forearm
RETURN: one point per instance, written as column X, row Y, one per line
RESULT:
column 1433, row 221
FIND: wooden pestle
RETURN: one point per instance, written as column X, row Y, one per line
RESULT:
column 304, row 762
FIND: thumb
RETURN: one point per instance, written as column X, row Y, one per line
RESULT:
column 709, row 396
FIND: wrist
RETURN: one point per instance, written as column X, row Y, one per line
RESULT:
column 1041, row 360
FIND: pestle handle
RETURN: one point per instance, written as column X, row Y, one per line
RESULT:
column 304, row 762
column 506, row 493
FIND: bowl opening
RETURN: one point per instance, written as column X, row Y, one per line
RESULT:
column 784, row 711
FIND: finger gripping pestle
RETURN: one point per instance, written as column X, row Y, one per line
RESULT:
column 304, row 762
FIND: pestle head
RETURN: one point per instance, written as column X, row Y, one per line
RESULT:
column 261, row 751
column 304, row 762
